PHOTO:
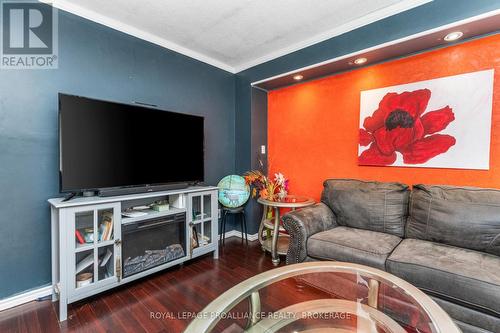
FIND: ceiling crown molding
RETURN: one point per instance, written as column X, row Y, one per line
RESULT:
column 94, row 16
column 374, row 16
column 135, row 32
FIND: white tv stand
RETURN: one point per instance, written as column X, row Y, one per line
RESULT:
column 98, row 222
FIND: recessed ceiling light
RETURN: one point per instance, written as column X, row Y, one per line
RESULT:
column 360, row 61
column 453, row 36
column 298, row 77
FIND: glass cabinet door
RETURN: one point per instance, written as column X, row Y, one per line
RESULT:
column 96, row 247
column 202, row 214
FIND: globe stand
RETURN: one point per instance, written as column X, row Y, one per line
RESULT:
column 243, row 222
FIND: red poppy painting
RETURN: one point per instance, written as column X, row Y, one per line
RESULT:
column 428, row 126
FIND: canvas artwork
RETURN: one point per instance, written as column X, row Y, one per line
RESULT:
column 439, row 123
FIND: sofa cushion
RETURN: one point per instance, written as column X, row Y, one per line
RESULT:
column 466, row 217
column 464, row 276
column 368, row 205
column 352, row 245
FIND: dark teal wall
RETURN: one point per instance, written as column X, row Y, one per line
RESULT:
column 425, row 17
column 98, row 62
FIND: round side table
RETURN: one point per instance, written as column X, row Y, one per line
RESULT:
column 274, row 242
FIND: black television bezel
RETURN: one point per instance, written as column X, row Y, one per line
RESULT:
column 147, row 187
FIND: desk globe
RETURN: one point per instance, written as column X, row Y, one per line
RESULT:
column 233, row 191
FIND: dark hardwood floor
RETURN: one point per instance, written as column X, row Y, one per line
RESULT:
column 162, row 302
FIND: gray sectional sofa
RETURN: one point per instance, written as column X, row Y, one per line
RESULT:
column 443, row 239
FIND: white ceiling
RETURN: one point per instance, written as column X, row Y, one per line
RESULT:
column 235, row 34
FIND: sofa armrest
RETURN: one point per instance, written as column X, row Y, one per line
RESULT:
column 303, row 223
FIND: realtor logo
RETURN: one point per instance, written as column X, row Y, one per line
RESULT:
column 28, row 35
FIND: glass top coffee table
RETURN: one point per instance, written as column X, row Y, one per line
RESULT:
column 319, row 297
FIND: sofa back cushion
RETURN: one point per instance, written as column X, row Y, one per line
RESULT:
column 466, row 217
column 368, row 205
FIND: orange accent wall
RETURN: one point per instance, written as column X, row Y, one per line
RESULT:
column 313, row 127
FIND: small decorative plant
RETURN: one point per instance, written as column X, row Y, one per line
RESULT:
column 263, row 187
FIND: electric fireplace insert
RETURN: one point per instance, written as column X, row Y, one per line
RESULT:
column 153, row 242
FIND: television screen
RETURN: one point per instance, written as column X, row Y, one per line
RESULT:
column 107, row 145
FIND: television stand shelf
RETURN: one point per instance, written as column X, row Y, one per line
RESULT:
column 151, row 214
column 95, row 249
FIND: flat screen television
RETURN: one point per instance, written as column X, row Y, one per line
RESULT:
column 107, row 145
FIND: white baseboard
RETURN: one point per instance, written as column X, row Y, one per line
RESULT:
column 236, row 233
column 25, row 297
